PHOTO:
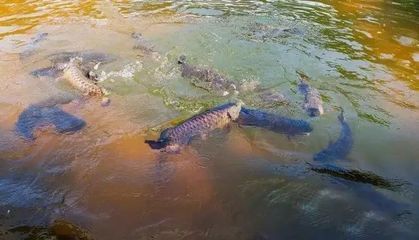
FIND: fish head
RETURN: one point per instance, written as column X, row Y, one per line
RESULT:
column 305, row 127
column 182, row 59
column 315, row 112
column 234, row 110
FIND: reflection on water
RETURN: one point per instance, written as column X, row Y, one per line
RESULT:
column 103, row 181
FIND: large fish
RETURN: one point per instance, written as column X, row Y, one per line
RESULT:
column 172, row 139
column 273, row 122
column 91, row 61
column 206, row 78
column 312, row 100
column 75, row 76
column 39, row 115
column 341, row 148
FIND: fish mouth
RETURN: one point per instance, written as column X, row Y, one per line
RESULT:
column 313, row 112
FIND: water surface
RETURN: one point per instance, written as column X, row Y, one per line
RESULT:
column 241, row 183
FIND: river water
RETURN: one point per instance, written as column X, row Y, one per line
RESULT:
column 241, row 183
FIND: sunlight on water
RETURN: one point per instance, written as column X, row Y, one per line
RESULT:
column 103, row 182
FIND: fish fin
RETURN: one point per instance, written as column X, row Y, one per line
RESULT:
column 155, row 144
column 173, row 148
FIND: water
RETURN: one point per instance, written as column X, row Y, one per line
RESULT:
column 242, row 183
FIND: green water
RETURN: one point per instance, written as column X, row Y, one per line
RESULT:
column 241, row 183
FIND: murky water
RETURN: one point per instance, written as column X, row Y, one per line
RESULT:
column 244, row 183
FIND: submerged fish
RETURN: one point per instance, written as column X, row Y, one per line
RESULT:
column 339, row 149
column 91, row 61
column 205, row 78
column 273, row 122
column 172, row 139
column 312, row 100
column 36, row 116
column 87, row 56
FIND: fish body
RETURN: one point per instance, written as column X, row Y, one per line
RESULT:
column 206, row 78
column 171, row 139
column 339, row 149
column 36, row 116
column 91, row 61
column 141, row 43
column 313, row 103
column 273, row 122
column 75, row 76
column 87, row 56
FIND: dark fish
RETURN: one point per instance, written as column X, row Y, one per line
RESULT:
column 206, row 78
column 339, row 149
column 33, row 44
column 87, row 56
column 46, row 72
column 172, row 139
column 273, row 122
column 90, row 61
column 36, row 116
column 313, row 103
column 357, row 176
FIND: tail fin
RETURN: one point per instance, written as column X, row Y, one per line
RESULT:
column 155, row 144
column 341, row 117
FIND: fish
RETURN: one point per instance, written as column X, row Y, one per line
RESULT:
column 339, row 149
column 313, row 103
column 91, row 60
column 73, row 74
column 356, row 175
column 33, row 42
column 273, row 122
column 39, row 115
column 141, row 43
column 87, row 56
column 206, row 78
column 174, row 138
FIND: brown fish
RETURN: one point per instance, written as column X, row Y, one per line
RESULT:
column 172, row 139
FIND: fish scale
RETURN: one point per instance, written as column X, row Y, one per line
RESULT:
column 78, row 80
column 171, row 139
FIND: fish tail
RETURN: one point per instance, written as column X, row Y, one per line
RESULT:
column 155, row 144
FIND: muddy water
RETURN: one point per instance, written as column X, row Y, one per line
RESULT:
column 241, row 183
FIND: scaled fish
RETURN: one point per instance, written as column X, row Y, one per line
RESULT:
column 172, row 139
column 75, row 76
column 312, row 100
column 206, row 78
column 273, row 122
column 339, row 149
